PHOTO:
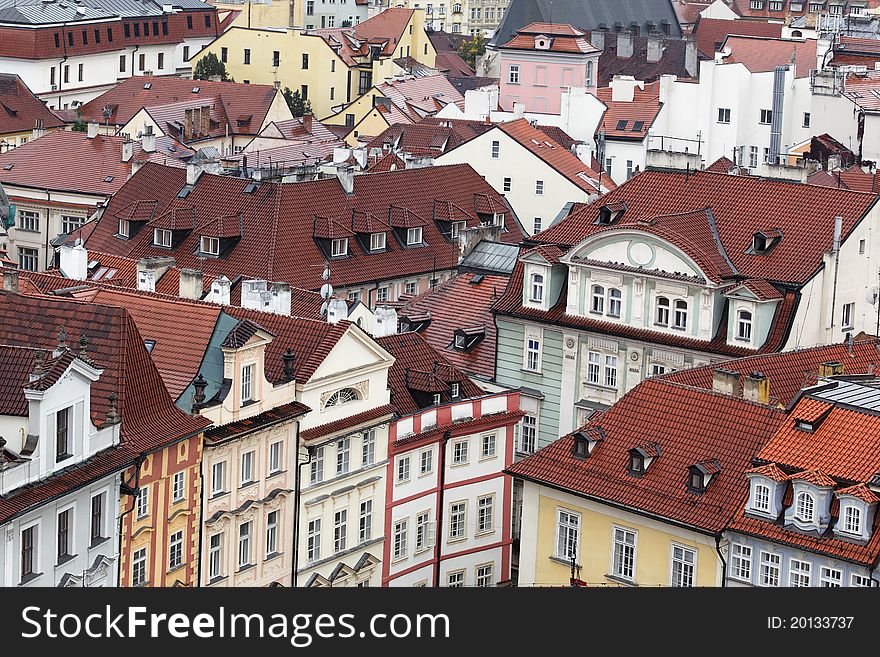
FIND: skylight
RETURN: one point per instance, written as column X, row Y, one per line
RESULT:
column 637, row 126
column 196, row 90
column 621, row 125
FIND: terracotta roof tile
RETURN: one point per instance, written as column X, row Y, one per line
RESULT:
column 630, row 119
column 564, row 38
column 282, row 413
column 711, row 32
column 861, row 491
column 721, row 165
column 20, row 109
column 815, row 477
column 461, row 427
column 762, row 54
column 347, row 423
column 692, row 425
column 771, row 471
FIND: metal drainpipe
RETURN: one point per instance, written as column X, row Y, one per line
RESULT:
column 137, row 478
column 723, row 560
column 441, row 476
column 296, row 503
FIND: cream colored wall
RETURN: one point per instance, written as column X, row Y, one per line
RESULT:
column 653, row 543
column 274, row 14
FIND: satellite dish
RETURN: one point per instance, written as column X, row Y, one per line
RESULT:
column 326, row 291
column 324, row 307
column 107, row 111
column 872, row 295
column 326, row 274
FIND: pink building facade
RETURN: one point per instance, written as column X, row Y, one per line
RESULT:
column 541, row 62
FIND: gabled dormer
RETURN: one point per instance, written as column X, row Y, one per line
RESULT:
column 415, row 322
column 244, row 366
column 610, row 213
column 585, row 441
column 641, row 458
column 701, row 474
column 857, row 506
column 407, row 226
column 133, row 217
column 810, row 508
column 753, row 305
column 451, row 220
column 543, row 276
column 764, row 241
column 370, row 232
column 172, row 227
column 767, row 486
column 332, row 237
column 543, row 42
column 466, row 338
column 490, row 212
column 217, row 237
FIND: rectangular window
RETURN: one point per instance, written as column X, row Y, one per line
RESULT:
column 79, row 71
column 70, row 224
column 723, row 115
column 305, row 60
column 487, row 446
column 96, row 532
column 741, row 562
column 224, row 55
column 399, row 543
column 483, row 575
column 496, row 149
column 343, row 455
column 460, row 452
column 753, row 156
column 455, row 580
column 402, row 469
column 629, row 169
column 218, row 478
column 215, row 552
column 160, row 61
column 766, row 116
column 340, row 529
column 424, row 537
column 365, row 523
column 339, row 248
column 316, row 467
column 507, row 183
column 313, row 541
column 457, row 520
column 594, row 358
column 770, row 567
column 275, row 450
column 410, row 287
column 139, row 567
column 28, row 259
column 485, row 514
column 528, row 434
column 62, row 434
column 143, row 502
column 567, row 534
column 624, row 558
column 766, row 156
column 247, row 468
column 799, row 573
column 207, row 20
column 29, row 220
column 186, row 53
column 244, row 544
column 539, row 187
column 271, row 533
column 533, row 354
column 806, row 122
column 513, row 74
column 368, row 449
column 610, row 371
column 142, row 62
column 683, row 565
column 162, row 237
column 247, row 383
column 122, row 68
column 382, row 294
column 857, row 580
column 210, row 245
column 537, row 225
column 304, row 91
column 175, row 550
column 377, row 241
column 414, row 236
column 64, row 535
column 830, row 577
column 426, row 461
column 178, row 486
column 847, row 316
column 247, row 55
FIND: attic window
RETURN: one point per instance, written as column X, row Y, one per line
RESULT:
column 8, row 167
column 700, row 474
column 696, row 481
column 637, row 126
column 210, row 245
column 149, row 344
column 636, row 465
column 765, row 241
column 148, row 85
column 640, row 458
column 250, row 188
column 196, row 90
column 108, row 179
column 476, row 280
column 184, row 192
column 621, row 125
column 580, row 449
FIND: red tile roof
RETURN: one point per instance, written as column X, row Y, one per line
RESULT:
column 671, row 62
column 78, row 164
column 861, row 491
column 637, row 115
column 414, row 98
column 711, row 32
column 456, row 304
column 431, row 136
column 771, row 471
column 815, row 477
column 278, row 222
column 554, row 155
column 388, row 24
column 789, row 371
column 347, row 423
column 282, row 413
column 853, row 178
column 416, row 360
column 740, row 206
column 762, row 54
column 16, row 363
column 462, row 427
column 721, row 165
column 451, row 63
column 20, row 109
column 230, row 100
column 691, row 426
column 563, row 38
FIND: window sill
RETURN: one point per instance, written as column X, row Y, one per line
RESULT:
column 175, row 569
column 247, row 484
column 458, row 539
column 27, row 579
column 564, row 562
column 218, row 495
column 146, row 516
column 97, row 542
column 489, row 457
column 65, row 559
column 273, row 555
column 19, row 229
column 249, row 402
column 459, row 465
column 487, row 532
column 401, row 482
column 216, row 580
column 528, row 371
column 244, row 568
column 599, row 386
column 275, row 474
column 62, row 457
column 620, row 580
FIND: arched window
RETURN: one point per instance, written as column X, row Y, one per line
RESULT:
column 588, row 82
column 538, row 288
column 805, row 506
column 614, row 299
column 661, row 316
column 681, row 314
column 852, row 519
column 762, row 498
column 744, row 325
column 796, row 33
column 342, row 397
column 598, row 304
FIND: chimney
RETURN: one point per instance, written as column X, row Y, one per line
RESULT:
column 346, row 178
column 830, row 368
column 127, row 150
column 307, row 122
column 204, row 120
column 757, row 388
column 281, row 298
column 623, row 88
column 725, row 381
column 337, row 310
column 519, row 110
column 10, row 280
column 192, row 284
column 220, row 291
column 288, row 358
column 92, row 130
column 75, row 261
column 691, row 64
column 384, row 322
column 188, row 123
column 597, row 39
column 193, row 171
column 655, row 47
column 148, row 140
column 624, row 44
column 146, row 280
column 150, row 270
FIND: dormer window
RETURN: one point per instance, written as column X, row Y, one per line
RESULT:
column 598, row 300
column 761, row 498
column 162, row 237
column 341, row 397
column 339, row 248
column 744, row 325
column 460, row 341
column 377, row 241
column 247, row 383
column 851, row 517
column 765, row 241
column 640, row 459
column 805, row 507
column 454, row 390
column 455, row 229
column 124, row 228
column 636, row 465
column 537, row 288
column 700, row 474
column 414, row 236
column 210, row 245
column 585, row 441
column 466, row 339
column 62, row 434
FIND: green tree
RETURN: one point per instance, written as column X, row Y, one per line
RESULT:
column 80, row 124
column 471, row 50
column 208, row 67
column 298, row 106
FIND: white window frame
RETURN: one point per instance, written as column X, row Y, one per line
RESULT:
column 457, row 521
column 244, row 544
column 316, row 467
column 615, row 300
column 343, row 455
column 539, row 188
column 175, row 550
column 414, row 236
column 426, row 461
column 178, row 487
column 313, row 540
column 724, row 115
column 568, row 534
column 622, row 550
column 365, row 521
column 830, row 577
column 142, row 502
column 339, row 247
column 805, row 502
column 215, row 556
column 536, row 287
column 455, row 579
column 424, row 534
column 485, row 514
column 744, row 325
column 682, row 572
column 741, row 562
column 368, row 448
column 769, row 569
column 215, row 490
column 272, row 532
column 377, row 241
column 680, row 310
column 513, row 74
column 761, row 498
column 248, row 376
column 139, row 567
column 529, row 428
column 30, row 221
column 403, row 469
column 210, row 245
column 858, row 580
column 460, row 452
column 800, row 573
column 399, row 540
column 488, row 446
column 276, row 456
column 496, row 149
column 483, row 575
column 246, row 472
column 611, row 378
column 847, row 316
column 340, row 530
column 851, row 519
column 162, row 237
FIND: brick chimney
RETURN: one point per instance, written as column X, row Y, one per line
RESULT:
column 307, row 122
column 655, row 47
column 192, row 284
column 830, row 368
column 624, row 44
column 757, row 388
column 10, row 280
column 725, row 381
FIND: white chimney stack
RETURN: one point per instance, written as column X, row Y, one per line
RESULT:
column 92, row 130
column 148, row 140
column 75, row 261
column 269, row 298
column 147, row 280
column 220, row 291
column 337, row 310
column 192, row 284
column 127, row 150
column 384, row 321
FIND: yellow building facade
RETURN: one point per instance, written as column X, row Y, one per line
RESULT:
column 656, row 544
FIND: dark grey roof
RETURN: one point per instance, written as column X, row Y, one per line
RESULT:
column 40, row 12
column 862, row 393
column 491, row 257
column 588, row 15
